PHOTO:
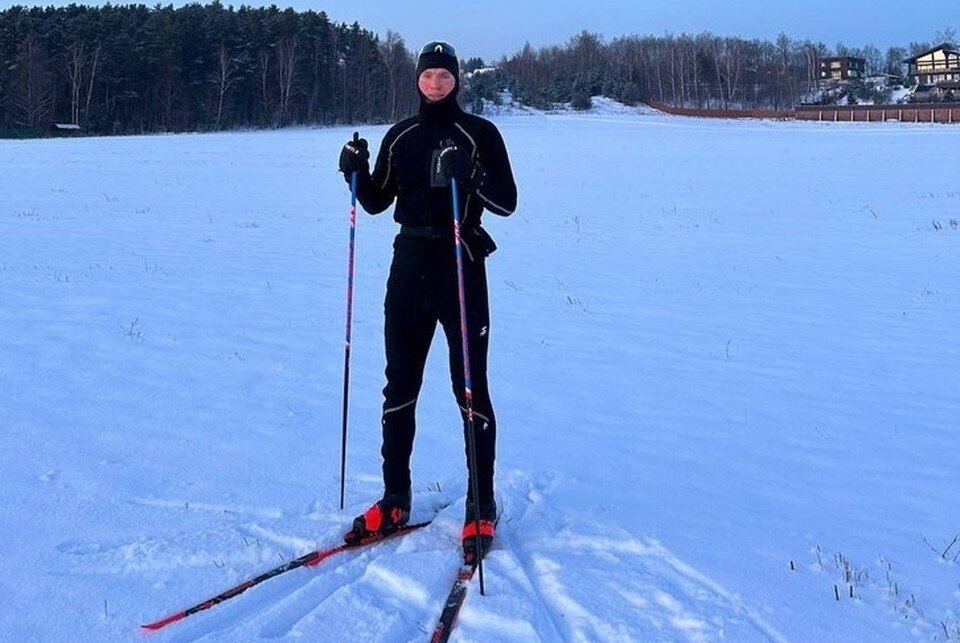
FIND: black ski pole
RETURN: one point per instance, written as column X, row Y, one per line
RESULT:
column 346, row 348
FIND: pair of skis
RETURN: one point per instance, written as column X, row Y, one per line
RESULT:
column 448, row 616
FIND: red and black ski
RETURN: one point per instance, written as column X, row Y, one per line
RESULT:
column 458, row 593
column 307, row 560
column 456, row 597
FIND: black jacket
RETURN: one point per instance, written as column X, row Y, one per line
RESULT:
column 404, row 171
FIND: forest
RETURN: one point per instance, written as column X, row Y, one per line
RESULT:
column 703, row 70
column 135, row 69
column 128, row 69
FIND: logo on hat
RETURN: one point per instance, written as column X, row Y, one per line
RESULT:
column 438, row 49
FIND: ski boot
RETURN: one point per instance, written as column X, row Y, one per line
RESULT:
column 488, row 526
column 384, row 517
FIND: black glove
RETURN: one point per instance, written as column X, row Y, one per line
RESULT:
column 453, row 163
column 355, row 157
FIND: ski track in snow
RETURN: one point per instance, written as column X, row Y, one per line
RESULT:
column 648, row 593
column 542, row 587
column 537, row 589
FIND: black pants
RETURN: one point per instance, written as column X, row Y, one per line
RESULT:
column 421, row 291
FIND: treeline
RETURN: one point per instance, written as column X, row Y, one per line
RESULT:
column 702, row 70
column 133, row 69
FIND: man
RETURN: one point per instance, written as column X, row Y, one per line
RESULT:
column 417, row 159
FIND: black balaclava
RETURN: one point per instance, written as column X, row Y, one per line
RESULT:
column 433, row 55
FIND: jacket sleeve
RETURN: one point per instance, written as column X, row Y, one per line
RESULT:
column 377, row 191
column 499, row 191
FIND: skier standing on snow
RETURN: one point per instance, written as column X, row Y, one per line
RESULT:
column 417, row 159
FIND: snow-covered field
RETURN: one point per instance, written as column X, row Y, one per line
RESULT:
column 725, row 359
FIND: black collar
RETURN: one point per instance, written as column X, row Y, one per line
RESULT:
column 444, row 111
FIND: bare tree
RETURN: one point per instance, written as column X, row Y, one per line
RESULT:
column 676, row 70
column 227, row 75
column 811, row 55
column 263, row 77
column 873, row 60
column 733, row 51
column 783, row 63
column 947, row 35
column 73, row 71
column 718, row 54
column 587, row 51
column 894, row 61
column 400, row 72
column 286, row 74
column 80, row 71
column 90, row 82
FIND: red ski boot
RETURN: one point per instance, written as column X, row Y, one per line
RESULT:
column 487, row 525
column 383, row 517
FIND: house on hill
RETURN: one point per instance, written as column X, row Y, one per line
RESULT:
column 936, row 68
column 838, row 69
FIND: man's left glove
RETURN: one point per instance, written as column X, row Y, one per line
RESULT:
column 454, row 163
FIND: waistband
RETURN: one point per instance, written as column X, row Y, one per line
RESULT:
column 427, row 231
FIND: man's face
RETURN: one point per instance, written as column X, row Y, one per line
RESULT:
column 436, row 83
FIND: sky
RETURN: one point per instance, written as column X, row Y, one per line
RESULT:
column 495, row 28
column 499, row 27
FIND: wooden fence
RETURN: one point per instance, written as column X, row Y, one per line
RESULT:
column 723, row 113
column 909, row 113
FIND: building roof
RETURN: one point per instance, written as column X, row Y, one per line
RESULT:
column 946, row 46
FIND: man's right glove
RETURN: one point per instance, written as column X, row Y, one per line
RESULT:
column 355, row 157
column 454, row 163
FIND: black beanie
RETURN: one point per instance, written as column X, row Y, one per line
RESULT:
column 438, row 54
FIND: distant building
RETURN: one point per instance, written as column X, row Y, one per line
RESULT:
column 937, row 67
column 842, row 68
column 64, row 129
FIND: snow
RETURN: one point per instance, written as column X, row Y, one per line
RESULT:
column 719, row 349
column 900, row 94
column 604, row 106
column 600, row 106
column 508, row 106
